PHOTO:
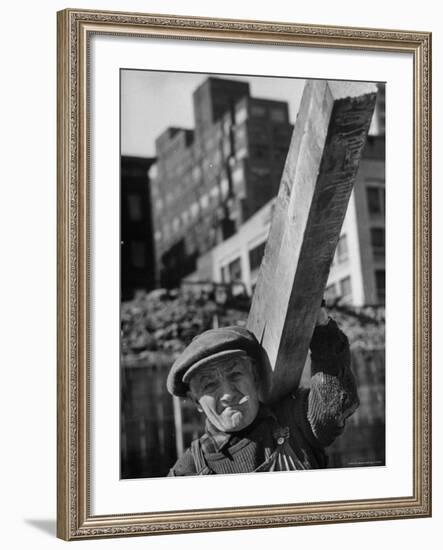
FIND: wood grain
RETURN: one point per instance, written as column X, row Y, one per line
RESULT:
column 321, row 166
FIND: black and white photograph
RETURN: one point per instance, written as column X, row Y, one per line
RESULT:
column 252, row 274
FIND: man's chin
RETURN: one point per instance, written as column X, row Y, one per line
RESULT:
column 237, row 421
column 229, row 419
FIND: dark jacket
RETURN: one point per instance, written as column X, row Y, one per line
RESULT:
column 292, row 433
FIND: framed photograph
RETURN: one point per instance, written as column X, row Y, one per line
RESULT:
column 244, row 257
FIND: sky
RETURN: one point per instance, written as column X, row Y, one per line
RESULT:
column 153, row 100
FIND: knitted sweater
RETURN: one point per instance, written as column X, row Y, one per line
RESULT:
column 312, row 418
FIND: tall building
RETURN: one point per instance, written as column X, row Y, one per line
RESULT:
column 212, row 179
column 137, row 247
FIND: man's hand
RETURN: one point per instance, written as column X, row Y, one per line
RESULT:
column 322, row 318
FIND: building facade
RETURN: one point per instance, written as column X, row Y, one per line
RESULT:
column 136, row 242
column 210, row 180
column 357, row 274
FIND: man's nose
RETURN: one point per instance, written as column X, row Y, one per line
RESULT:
column 228, row 392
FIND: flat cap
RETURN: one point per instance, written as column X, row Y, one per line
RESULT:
column 211, row 344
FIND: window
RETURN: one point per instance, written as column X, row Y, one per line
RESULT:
column 240, row 138
column 210, row 143
column 204, row 200
column 345, row 289
column 194, row 209
column 279, row 153
column 234, row 268
column 185, row 217
column 187, row 180
column 241, row 114
column 241, row 153
column 226, row 147
column 260, row 172
column 378, row 242
column 380, row 285
column 240, row 134
column 278, row 114
column 258, row 110
column 216, row 158
column 259, row 134
column 376, row 200
column 224, row 187
column 138, row 254
column 256, row 256
column 207, row 165
column 135, row 207
column 259, row 151
column 166, row 231
column 342, row 249
column 196, row 174
column 237, row 175
column 225, row 274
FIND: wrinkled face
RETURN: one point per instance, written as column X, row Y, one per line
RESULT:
column 226, row 391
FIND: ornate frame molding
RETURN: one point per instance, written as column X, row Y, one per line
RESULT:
column 74, row 30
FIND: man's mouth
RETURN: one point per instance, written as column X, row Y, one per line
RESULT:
column 238, row 404
column 242, row 401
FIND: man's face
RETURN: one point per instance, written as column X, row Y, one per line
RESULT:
column 226, row 391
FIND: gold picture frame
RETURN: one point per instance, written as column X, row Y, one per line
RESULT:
column 74, row 518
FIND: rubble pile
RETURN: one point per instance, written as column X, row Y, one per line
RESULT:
column 162, row 322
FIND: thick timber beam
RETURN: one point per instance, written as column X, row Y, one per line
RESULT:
column 321, row 166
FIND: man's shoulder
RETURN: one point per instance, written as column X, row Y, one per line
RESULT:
column 288, row 407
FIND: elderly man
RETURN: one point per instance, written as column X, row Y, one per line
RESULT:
column 219, row 372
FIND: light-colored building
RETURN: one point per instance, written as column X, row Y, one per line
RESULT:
column 357, row 274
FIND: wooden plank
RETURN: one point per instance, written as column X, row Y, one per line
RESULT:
column 321, row 166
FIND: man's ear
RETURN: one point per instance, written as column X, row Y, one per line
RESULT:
column 192, row 397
